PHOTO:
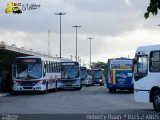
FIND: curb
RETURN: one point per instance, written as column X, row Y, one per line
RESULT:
column 4, row 94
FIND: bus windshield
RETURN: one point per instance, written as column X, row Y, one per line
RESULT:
column 70, row 71
column 121, row 64
column 27, row 70
column 83, row 73
column 97, row 74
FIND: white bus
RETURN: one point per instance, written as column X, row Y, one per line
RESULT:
column 147, row 75
column 32, row 73
column 86, row 78
column 70, row 75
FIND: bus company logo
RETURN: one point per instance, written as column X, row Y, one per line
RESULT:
column 17, row 8
column 121, row 75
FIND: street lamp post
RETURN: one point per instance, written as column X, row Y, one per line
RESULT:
column 90, row 38
column 76, row 26
column 60, row 14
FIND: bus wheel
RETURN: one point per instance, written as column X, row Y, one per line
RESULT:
column 114, row 90
column 79, row 88
column 156, row 100
column 46, row 91
column 56, row 89
column 110, row 90
column 131, row 90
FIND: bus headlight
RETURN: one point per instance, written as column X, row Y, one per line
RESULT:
column 77, row 82
column 39, row 83
column 16, row 83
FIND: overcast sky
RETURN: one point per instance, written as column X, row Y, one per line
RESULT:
column 117, row 26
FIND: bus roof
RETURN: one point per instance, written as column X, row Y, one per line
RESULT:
column 42, row 58
column 148, row 48
column 121, row 58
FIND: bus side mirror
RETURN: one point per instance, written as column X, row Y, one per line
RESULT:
column 134, row 61
column 132, row 68
column 136, row 75
column 44, row 74
column 14, row 68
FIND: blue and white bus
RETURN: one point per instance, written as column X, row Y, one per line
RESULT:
column 119, row 74
column 70, row 75
column 86, row 78
column 32, row 73
column 97, row 76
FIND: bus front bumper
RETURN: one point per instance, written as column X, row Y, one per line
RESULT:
column 28, row 88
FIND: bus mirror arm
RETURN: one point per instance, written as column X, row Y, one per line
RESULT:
column 136, row 75
column 44, row 74
column 134, row 61
column 14, row 68
column 132, row 67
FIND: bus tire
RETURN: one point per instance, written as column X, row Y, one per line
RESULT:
column 156, row 100
column 131, row 90
column 110, row 90
column 114, row 90
column 46, row 91
column 15, row 92
column 56, row 89
column 78, row 89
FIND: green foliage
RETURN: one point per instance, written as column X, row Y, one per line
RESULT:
column 152, row 8
column 99, row 65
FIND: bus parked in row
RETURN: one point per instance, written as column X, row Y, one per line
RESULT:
column 32, row 73
column 70, row 75
column 86, row 78
column 147, row 75
column 97, row 76
column 119, row 74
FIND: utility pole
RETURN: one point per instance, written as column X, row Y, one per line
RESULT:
column 60, row 14
column 76, row 26
column 49, row 42
column 90, row 38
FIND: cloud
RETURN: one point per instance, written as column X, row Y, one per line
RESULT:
column 128, row 2
column 118, row 27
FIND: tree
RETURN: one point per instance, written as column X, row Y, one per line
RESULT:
column 100, row 65
column 152, row 8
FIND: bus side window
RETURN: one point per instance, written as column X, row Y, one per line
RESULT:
column 44, row 68
column 47, row 67
column 58, row 67
column 54, row 67
column 50, row 67
column 155, row 61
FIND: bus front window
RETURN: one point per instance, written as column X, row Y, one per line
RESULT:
column 70, row 71
column 83, row 73
column 141, row 67
column 28, row 71
column 97, row 74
